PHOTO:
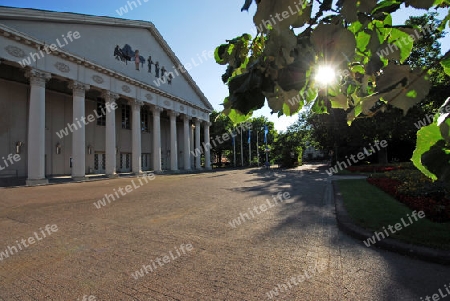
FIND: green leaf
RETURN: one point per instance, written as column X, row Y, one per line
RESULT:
column 426, row 137
column 309, row 94
column 443, row 120
column 247, row 5
column 302, row 17
column 351, row 117
column 403, row 41
column 339, row 102
column 237, row 117
column 396, row 84
column 319, row 106
column 437, row 161
column 355, row 27
column 270, row 14
column 358, row 68
column 362, row 40
column 349, row 11
column 424, row 4
column 334, row 41
column 280, row 45
column 412, row 94
column 279, row 98
column 245, row 92
column 368, row 102
column 387, row 6
column 221, row 54
column 446, row 65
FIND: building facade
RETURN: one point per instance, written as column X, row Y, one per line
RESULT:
column 94, row 95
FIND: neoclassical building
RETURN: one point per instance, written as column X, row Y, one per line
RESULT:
column 83, row 94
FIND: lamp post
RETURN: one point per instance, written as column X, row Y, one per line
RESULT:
column 257, row 146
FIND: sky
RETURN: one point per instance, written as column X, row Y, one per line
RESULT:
column 190, row 28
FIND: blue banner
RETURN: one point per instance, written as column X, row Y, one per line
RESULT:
column 266, row 131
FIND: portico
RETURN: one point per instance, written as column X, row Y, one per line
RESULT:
column 83, row 117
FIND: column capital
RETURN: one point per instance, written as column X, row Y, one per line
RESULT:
column 135, row 102
column 79, row 89
column 186, row 117
column 207, row 123
column 174, row 114
column 37, row 77
column 110, row 96
column 156, row 110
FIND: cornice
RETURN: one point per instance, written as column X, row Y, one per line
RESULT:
column 66, row 17
column 24, row 39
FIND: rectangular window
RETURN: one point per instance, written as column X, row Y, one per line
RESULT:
column 126, row 111
column 101, row 112
column 144, row 120
column 145, row 161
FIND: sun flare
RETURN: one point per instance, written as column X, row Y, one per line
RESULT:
column 325, row 75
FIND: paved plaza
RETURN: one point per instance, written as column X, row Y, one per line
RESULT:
column 228, row 235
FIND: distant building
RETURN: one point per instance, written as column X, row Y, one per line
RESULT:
column 310, row 153
column 83, row 94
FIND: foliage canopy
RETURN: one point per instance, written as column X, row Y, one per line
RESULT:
column 355, row 38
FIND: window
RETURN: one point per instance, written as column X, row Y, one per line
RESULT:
column 144, row 120
column 126, row 117
column 101, row 112
column 145, row 161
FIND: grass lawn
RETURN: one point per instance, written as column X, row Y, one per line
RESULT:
column 374, row 209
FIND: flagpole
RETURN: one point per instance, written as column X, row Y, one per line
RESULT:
column 234, row 150
column 266, row 131
column 242, row 151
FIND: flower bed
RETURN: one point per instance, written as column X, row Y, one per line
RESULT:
column 373, row 168
column 417, row 192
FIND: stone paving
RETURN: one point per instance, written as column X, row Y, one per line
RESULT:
column 94, row 252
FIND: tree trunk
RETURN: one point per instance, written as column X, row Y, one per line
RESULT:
column 382, row 156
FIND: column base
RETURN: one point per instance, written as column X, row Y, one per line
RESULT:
column 35, row 182
column 208, row 168
column 113, row 176
column 80, row 179
column 140, row 173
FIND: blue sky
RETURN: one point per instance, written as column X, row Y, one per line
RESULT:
column 189, row 27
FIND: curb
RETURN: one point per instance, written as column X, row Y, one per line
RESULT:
column 346, row 225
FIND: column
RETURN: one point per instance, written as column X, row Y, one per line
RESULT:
column 136, row 147
column 79, row 135
column 187, row 143
column 111, row 156
column 173, row 141
column 36, row 128
column 198, row 159
column 207, row 145
column 157, row 138
column 192, row 137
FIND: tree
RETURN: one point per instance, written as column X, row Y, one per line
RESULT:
column 221, row 125
column 288, row 146
column 355, row 38
column 257, row 137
